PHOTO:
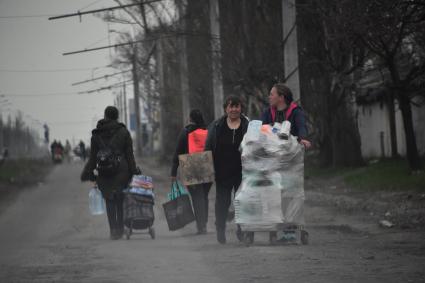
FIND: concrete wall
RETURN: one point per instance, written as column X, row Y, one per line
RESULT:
column 373, row 120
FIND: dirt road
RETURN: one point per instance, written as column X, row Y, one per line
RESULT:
column 48, row 235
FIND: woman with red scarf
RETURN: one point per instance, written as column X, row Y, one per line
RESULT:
column 283, row 108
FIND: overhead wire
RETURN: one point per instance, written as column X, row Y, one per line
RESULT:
column 49, row 70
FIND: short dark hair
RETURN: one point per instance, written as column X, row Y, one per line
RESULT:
column 111, row 113
column 283, row 90
column 232, row 100
column 196, row 117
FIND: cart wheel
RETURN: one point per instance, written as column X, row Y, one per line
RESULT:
column 248, row 238
column 127, row 233
column 273, row 238
column 152, row 232
column 304, row 237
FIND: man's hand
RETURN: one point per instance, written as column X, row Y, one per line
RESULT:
column 305, row 143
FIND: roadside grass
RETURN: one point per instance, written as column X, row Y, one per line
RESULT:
column 384, row 174
column 24, row 171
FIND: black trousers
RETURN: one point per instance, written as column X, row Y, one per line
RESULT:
column 199, row 194
column 223, row 198
column 114, row 210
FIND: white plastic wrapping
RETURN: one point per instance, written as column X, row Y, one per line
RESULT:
column 272, row 177
column 258, row 206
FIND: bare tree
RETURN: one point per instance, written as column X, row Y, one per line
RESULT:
column 394, row 30
column 329, row 56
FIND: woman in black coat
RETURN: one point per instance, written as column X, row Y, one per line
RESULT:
column 114, row 135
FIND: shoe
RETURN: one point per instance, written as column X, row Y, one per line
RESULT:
column 239, row 233
column 221, row 236
column 113, row 234
column 230, row 216
column 202, row 231
column 116, row 234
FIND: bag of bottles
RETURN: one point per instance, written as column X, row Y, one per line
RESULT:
column 96, row 202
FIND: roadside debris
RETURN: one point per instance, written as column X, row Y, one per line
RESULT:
column 386, row 224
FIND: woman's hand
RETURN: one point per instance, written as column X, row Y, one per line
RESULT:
column 305, row 143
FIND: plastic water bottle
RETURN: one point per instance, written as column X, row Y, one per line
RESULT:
column 285, row 130
column 254, row 128
column 96, row 203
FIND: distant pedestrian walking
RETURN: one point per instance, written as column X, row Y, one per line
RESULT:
column 82, row 149
column 67, row 151
column 192, row 139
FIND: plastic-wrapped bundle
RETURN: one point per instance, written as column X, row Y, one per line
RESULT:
column 280, row 162
column 141, row 181
column 140, row 191
column 270, row 153
column 258, row 202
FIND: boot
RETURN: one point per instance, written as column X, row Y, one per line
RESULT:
column 221, row 236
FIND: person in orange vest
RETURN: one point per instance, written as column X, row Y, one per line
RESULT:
column 192, row 139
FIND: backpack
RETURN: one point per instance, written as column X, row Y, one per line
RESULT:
column 107, row 161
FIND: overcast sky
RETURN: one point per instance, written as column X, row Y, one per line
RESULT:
column 36, row 78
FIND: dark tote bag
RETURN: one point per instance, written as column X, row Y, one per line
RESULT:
column 178, row 210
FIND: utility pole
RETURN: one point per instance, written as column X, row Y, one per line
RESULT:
column 290, row 47
column 184, row 74
column 160, row 70
column 217, row 78
column 125, row 105
column 136, row 102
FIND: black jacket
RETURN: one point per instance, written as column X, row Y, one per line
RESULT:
column 214, row 129
column 182, row 146
column 122, row 144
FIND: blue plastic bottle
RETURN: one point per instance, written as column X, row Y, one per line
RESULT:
column 96, row 202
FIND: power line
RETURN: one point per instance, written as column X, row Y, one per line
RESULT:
column 105, row 88
column 37, row 95
column 49, row 70
column 24, row 16
column 15, row 95
column 69, row 122
column 101, row 77
column 101, row 10
column 138, row 41
column 91, row 4
column 117, row 45
column 42, row 16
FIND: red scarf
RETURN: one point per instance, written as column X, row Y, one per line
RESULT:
column 288, row 112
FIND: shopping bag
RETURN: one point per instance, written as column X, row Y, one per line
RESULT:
column 177, row 189
column 178, row 210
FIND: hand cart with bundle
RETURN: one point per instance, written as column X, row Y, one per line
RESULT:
column 138, row 206
column 271, row 196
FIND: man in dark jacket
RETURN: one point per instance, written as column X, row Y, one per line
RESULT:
column 191, row 140
column 224, row 138
column 282, row 108
column 109, row 132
